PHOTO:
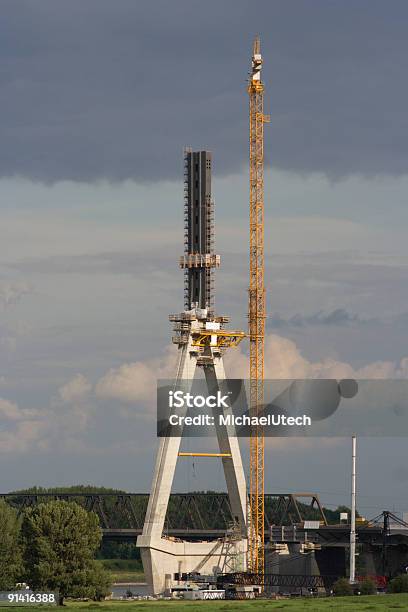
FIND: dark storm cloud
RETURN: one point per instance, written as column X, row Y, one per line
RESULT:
column 104, row 89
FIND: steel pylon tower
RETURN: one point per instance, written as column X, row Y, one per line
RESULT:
column 256, row 514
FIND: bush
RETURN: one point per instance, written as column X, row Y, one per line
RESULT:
column 398, row 584
column 101, row 581
column 342, row 587
column 122, row 565
column 118, row 550
column 368, row 587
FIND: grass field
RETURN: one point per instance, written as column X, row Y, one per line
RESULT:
column 124, row 570
column 370, row 602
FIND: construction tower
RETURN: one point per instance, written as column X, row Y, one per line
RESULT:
column 201, row 339
column 257, row 312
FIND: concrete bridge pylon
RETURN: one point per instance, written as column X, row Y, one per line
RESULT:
column 163, row 557
column 202, row 340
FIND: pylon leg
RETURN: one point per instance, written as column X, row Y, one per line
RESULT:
column 167, row 456
column 161, row 557
column 228, row 443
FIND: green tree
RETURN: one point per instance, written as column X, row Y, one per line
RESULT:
column 59, row 543
column 10, row 551
column 101, row 580
column 399, row 584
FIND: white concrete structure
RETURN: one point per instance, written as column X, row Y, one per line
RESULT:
column 162, row 557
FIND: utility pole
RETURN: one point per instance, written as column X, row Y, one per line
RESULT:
column 353, row 512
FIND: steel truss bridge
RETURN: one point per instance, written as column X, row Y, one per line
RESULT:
column 192, row 516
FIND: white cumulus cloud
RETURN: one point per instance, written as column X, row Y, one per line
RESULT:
column 9, row 411
column 75, row 389
column 283, row 359
column 136, row 382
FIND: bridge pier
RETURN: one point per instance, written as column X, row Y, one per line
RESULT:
column 165, row 557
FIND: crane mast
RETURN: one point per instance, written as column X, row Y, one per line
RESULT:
column 257, row 311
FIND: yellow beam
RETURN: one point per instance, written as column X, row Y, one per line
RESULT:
column 220, row 338
column 204, row 454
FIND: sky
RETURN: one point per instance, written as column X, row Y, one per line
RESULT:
column 97, row 101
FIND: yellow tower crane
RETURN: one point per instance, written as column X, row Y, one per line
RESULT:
column 257, row 312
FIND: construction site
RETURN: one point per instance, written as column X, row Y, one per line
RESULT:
column 202, row 338
column 204, row 305
column 257, row 554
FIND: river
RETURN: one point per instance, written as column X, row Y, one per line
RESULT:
column 137, row 588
